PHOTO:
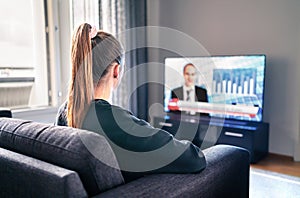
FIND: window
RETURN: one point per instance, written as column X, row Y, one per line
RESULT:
column 23, row 63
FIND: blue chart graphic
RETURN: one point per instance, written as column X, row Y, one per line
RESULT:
column 237, row 86
column 234, row 81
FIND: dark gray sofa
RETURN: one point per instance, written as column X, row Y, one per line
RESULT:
column 41, row 160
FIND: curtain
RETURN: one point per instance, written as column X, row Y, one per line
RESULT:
column 136, row 17
column 113, row 20
column 85, row 11
column 119, row 17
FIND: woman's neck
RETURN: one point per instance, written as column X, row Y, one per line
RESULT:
column 103, row 91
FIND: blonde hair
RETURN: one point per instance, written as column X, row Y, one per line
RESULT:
column 90, row 59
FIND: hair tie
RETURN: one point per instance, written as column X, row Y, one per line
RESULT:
column 93, row 32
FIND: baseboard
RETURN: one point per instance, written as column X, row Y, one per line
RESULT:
column 297, row 152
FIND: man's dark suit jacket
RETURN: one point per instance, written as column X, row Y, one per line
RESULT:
column 200, row 94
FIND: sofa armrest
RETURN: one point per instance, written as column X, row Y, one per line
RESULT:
column 226, row 175
column 4, row 112
column 23, row 176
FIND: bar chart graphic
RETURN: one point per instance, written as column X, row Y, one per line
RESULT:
column 236, row 87
column 234, row 81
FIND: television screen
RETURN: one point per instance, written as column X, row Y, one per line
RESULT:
column 230, row 87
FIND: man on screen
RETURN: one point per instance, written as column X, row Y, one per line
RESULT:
column 189, row 91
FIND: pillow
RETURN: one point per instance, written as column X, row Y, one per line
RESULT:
column 87, row 153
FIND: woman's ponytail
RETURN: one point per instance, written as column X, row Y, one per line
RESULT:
column 81, row 88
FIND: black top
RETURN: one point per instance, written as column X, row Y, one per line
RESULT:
column 139, row 148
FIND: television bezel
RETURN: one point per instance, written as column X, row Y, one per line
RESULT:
column 216, row 117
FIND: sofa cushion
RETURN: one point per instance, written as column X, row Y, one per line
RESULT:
column 226, row 175
column 85, row 152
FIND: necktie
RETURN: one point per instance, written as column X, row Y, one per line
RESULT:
column 188, row 98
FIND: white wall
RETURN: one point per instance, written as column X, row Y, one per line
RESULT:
column 269, row 27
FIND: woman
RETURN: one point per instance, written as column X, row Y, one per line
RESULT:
column 97, row 65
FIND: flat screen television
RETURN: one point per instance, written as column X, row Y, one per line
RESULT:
column 234, row 86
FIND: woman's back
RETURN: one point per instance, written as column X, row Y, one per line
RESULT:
column 139, row 148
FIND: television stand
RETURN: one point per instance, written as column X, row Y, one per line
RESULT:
column 253, row 136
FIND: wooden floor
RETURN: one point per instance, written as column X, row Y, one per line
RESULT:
column 280, row 164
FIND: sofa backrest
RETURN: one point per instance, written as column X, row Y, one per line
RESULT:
column 65, row 147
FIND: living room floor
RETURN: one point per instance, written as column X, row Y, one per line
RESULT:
column 280, row 164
